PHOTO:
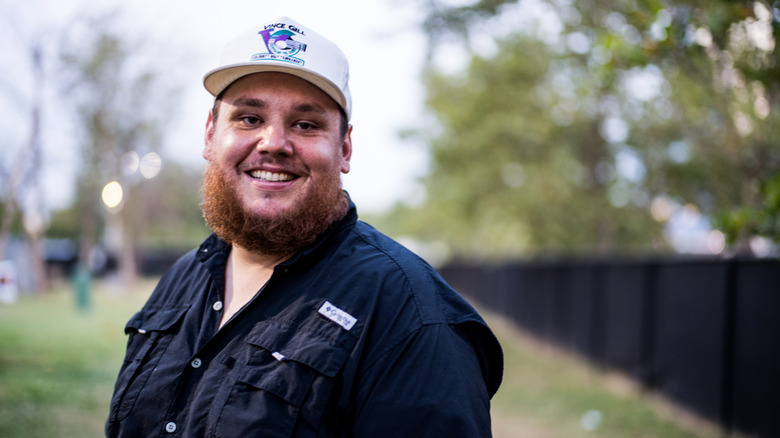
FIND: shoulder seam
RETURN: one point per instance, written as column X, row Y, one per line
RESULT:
column 400, row 267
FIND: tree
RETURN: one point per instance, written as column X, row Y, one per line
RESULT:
column 509, row 179
column 609, row 107
column 23, row 177
column 170, row 206
column 119, row 101
column 166, row 209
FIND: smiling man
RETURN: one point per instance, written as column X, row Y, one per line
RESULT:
column 295, row 319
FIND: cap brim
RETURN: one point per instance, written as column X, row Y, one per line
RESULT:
column 217, row 80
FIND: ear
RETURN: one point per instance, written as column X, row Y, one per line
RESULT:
column 209, row 137
column 346, row 151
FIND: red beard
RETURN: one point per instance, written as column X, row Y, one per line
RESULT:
column 282, row 235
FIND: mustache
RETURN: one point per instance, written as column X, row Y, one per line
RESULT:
column 288, row 165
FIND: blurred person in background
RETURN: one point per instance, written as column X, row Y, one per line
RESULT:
column 294, row 318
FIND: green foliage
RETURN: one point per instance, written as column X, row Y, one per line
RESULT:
column 763, row 220
column 64, row 224
column 561, row 143
column 166, row 210
column 122, row 105
column 120, row 101
column 170, row 207
column 16, row 224
column 509, row 178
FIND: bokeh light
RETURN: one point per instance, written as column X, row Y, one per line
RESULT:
column 151, row 164
column 112, row 194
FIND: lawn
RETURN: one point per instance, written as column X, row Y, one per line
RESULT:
column 549, row 393
column 58, row 364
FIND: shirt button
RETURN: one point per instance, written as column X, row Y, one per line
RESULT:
column 170, row 427
column 196, row 363
column 217, row 306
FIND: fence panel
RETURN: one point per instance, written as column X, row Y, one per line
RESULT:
column 534, row 291
column 756, row 386
column 690, row 332
column 587, row 303
column 623, row 308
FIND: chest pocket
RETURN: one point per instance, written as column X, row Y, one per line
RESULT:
column 150, row 332
column 289, row 375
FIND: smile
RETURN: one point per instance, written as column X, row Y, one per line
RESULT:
column 265, row 175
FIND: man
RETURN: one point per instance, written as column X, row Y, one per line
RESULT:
column 294, row 318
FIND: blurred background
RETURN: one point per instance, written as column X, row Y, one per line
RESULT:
column 604, row 175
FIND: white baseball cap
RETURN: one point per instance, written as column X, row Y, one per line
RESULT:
column 286, row 46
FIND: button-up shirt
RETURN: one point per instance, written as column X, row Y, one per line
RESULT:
column 355, row 336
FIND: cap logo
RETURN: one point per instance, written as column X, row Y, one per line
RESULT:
column 285, row 46
column 280, row 44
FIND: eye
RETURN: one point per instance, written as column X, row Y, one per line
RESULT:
column 305, row 126
column 250, row 120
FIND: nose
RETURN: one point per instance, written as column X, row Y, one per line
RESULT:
column 274, row 141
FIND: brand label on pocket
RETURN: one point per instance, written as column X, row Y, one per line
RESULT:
column 337, row 315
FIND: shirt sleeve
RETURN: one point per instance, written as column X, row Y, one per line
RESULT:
column 430, row 384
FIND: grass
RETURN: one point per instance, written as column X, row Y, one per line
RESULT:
column 58, row 365
column 548, row 393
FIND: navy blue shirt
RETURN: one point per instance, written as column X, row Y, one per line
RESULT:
column 355, row 336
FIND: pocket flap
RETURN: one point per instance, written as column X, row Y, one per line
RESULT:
column 155, row 320
column 306, row 347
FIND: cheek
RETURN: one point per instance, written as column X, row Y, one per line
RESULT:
column 227, row 148
column 327, row 164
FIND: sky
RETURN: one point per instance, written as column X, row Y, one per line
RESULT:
column 381, row 38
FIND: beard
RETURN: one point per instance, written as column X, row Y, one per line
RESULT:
column 281, row 235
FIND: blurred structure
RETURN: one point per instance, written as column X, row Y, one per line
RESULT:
column 8, row 289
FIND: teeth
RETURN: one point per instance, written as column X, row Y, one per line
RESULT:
column 271, row 176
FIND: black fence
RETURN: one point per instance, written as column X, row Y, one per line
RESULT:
column 704, row 333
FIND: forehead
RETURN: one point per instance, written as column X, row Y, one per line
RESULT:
column 275, row 89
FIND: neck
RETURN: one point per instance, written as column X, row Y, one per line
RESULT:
column 243, row 258
column 245, row 274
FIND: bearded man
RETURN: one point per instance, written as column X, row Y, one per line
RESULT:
column 294, row 319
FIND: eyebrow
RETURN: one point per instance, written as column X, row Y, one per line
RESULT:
column 261, row 104
column 309, row 108
column 249, row 102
